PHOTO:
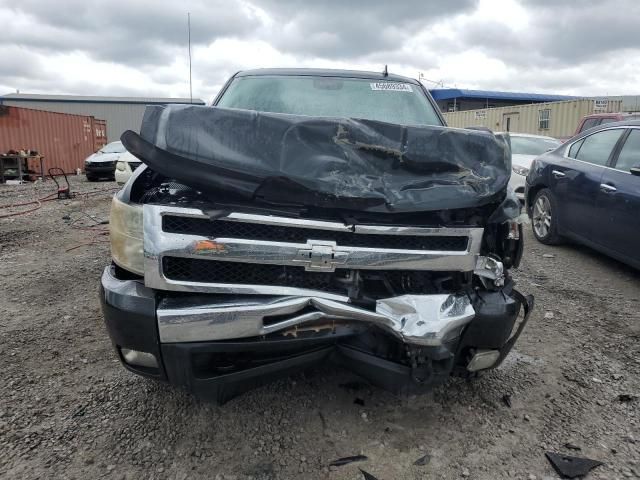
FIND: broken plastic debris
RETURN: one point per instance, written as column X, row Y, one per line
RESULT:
column 571, row 467
column 367, row 475
column 625, row 397
column 347, row 460
column 506, row 399
column 422, row 461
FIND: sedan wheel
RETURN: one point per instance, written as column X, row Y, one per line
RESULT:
column 543, row 218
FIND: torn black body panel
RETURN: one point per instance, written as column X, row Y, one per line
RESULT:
column 352, row 164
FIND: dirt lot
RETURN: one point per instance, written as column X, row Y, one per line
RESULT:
column 69, row 410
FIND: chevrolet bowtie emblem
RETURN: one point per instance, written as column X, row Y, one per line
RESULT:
column 321, row 256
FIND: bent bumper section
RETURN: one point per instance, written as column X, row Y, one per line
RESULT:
column 414, row 319
column 218, row 346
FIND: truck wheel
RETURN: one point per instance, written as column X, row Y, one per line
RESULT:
column 544, row 218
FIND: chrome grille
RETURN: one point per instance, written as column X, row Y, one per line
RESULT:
column 186, row 250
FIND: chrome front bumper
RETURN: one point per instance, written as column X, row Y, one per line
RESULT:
column 427, row 320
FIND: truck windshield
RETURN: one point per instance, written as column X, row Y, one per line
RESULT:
column 393, row 102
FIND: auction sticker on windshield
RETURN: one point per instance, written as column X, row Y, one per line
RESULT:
column 391, row 87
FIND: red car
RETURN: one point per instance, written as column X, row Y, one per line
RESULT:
column 595, row 119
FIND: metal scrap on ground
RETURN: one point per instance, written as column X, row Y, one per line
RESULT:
column 571, row 467
column 347, row 460
column 367, row 475
column 422, row 461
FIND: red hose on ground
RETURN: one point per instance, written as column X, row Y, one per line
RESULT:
column 43, row 199
column 46, row 198
column 7, row 215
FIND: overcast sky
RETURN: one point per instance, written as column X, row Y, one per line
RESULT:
column 139, row 47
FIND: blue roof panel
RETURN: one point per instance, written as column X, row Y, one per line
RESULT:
column 451, row 93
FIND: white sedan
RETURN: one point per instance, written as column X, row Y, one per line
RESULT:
column 126, row 165
column 103, row 162
column 524, row 148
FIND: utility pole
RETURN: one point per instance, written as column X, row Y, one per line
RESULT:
column 189, row 35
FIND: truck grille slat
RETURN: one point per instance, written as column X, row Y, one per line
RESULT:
column 276, row 233
column 211, row 271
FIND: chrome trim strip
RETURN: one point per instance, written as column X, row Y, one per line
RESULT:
column 415, row 319
column 292, row 254
column 285, row 221
column 322, row 256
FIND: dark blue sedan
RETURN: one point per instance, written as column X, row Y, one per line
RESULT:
column 588, row 190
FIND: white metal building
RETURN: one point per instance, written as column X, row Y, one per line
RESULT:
column 120, row 113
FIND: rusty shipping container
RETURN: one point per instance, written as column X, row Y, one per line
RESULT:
column 554, row 119
column 64, row 140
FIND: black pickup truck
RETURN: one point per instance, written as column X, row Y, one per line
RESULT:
column 311, row 216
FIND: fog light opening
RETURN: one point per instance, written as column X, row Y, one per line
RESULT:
column 139, row 359
column 483, row 359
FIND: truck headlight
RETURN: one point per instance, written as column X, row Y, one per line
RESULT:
column 520, row 170
column 125, row 230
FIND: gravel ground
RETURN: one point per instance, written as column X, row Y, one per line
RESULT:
column 69, row 410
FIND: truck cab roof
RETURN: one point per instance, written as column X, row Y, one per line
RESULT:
column 326, row 72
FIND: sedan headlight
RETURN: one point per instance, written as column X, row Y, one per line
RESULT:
column 121, row 166
column 125, row 230
column 520, row 170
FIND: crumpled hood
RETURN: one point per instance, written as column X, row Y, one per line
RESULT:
column 323, row 162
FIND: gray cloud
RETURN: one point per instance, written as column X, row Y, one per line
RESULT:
column 565, row 46
column 144, row 32
column 580, row 34
column 336, row 29
column 18, row 63
column 560, row 33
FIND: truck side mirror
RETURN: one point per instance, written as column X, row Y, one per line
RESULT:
column 635, row 170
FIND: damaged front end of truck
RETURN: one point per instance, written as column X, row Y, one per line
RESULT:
column 258, row 244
